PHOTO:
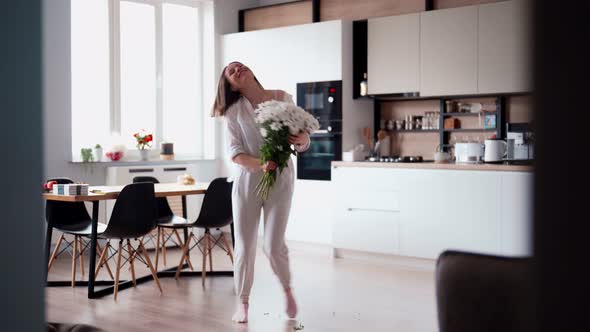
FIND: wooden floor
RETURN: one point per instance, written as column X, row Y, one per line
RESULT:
column 333, row 295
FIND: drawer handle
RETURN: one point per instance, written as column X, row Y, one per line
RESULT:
column 141, row 170
column 172, row 169
column 377, row 210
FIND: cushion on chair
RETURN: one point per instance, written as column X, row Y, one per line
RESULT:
column 483, row 293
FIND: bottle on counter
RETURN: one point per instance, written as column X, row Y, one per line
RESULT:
column 385, row 146
column 364, row 86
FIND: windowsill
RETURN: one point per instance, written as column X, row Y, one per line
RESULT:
column 143, row 162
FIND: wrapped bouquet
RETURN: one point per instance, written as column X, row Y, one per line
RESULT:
column 278, row 120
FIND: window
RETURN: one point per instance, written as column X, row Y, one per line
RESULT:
column 143, row 64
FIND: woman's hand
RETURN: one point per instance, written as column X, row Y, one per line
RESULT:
column 300, row 139
column 269, row 166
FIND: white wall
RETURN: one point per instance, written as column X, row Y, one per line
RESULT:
column 283, row 57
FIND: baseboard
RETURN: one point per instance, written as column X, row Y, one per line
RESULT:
column 413, row 263
column 312, row 248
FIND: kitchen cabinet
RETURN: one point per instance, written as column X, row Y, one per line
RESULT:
column 448, row 54
column 449, row 210
column 393, row 54
column 421, row 212
column 366, row 211
column 516, row 208
column 503, row 47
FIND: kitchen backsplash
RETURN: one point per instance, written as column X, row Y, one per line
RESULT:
column 518, row 109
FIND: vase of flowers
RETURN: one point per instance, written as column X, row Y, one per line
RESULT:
column 144, row 143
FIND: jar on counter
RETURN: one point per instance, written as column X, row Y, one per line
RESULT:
column 389, row 126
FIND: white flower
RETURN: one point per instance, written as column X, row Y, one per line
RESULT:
column 276, row 126
column 263, row 132
column 281, row 114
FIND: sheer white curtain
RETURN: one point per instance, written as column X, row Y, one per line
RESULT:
column 143, row 64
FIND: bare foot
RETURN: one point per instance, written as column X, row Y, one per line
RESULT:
column 291, row 305
column 241, row 314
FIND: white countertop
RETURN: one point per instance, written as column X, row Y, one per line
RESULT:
column 432, row 165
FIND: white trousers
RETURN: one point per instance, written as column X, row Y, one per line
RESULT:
column 246, row 206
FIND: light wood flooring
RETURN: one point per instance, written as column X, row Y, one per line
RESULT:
column 333, row 295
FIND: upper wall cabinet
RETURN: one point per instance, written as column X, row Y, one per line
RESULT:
column 393, row 54
column 448, row 55
column 503, row 47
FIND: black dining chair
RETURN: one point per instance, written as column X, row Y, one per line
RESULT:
column 70, row 218
column 134, row 215
column 165, row 215
column 216, row 212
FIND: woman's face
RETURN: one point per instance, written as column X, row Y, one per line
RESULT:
column 238, row 75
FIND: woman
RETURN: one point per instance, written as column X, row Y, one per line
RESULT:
column 238, row 95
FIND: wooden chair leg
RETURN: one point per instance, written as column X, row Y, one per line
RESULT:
column 188, row 259
column 74, row 247
column 118, row 268
column 81, row 253
column 183, row 256
column 106, row 263
column 178, row 237
column 210, row 246
column 131, row 263
column 158, row 245
column 227, row 248
column 54, row 254
column 205, row 252
column 101, row 260
column 164, row 247
column 147, row 259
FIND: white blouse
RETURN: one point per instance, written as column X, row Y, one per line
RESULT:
column 243, row 133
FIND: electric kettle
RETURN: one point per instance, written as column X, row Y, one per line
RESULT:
column 494, row 150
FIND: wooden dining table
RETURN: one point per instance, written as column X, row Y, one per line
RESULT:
column 97, row 194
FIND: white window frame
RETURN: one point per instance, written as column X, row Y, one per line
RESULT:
column 206, row 134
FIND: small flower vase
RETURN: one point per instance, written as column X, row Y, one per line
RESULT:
column 144, row 154
column 97, row 154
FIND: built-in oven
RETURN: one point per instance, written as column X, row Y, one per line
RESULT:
column 324, row 101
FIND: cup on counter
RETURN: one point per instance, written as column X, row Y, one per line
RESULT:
column 441, row 157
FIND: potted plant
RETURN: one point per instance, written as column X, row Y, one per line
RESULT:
column 87, row 158
column 98, row 152
column 144, row 143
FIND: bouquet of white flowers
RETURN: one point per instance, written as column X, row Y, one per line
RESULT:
column 278, row 120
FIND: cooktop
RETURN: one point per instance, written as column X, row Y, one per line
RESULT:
column 397, row 159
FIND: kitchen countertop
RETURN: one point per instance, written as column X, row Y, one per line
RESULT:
column 432, row 165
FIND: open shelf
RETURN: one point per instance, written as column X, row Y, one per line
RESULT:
column 414, row 131
column 471, row 130
column 460, row 114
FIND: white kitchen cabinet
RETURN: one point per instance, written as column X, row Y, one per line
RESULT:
column 448, row 54
column 366, row 210
column 393, row 63
column 421, row 213
column 516, row 221
column 449, row 210
column 367, row 230
column 504, row 43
